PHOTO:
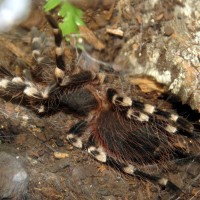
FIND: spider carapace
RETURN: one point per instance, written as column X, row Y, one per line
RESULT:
column 123, row 133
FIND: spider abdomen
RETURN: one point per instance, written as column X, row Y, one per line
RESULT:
column 81, row 102
column 133, row 141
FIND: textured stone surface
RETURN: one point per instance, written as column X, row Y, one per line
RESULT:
column 171, row 59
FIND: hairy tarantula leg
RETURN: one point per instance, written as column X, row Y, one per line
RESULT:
column 73, row 81
column 150, row 109
column 75, row 133
column 6, row 72
column 96, row 151
column 38, row 45
column 60, row 64
column 18, row 86
column 131, row 170
column 146, row 111
column 79, row 80
column 99, row 154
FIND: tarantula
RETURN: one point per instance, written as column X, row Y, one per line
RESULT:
column 124, row 133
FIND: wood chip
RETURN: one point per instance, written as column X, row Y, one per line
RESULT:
column 138, row 18
column 159, row 17
column 110, row 12
column 147, row 85
column 50, row 192
column 168, row 30
column 21, row 139
column 60, row 155
column 89, row 36
column 19, row 52
column 117, row 32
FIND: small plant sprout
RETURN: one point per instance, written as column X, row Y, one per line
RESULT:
column 72, row 19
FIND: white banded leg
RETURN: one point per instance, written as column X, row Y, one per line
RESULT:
column 99, row 154
column 23, row 88
column 133, row 171
column 75, row 133
column 60, row 64
column 61, row 71
column 38, row 45
column 17, row 86
column 181, row 122
column 143, row 112
column 96, row 151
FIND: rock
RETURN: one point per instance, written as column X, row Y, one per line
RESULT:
column 168, row 30
column 14, row 178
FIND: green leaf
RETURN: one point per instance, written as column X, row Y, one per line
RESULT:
column 72, row 18
column 51, row 4
column 79, row 21
column 68, row 26
column 65, row 9
column 68, row 9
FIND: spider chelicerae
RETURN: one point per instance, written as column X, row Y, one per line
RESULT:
column 123, row 133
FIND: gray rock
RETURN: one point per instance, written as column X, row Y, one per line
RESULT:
column 13, row 177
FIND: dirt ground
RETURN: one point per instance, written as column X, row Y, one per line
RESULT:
column 36, row 141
